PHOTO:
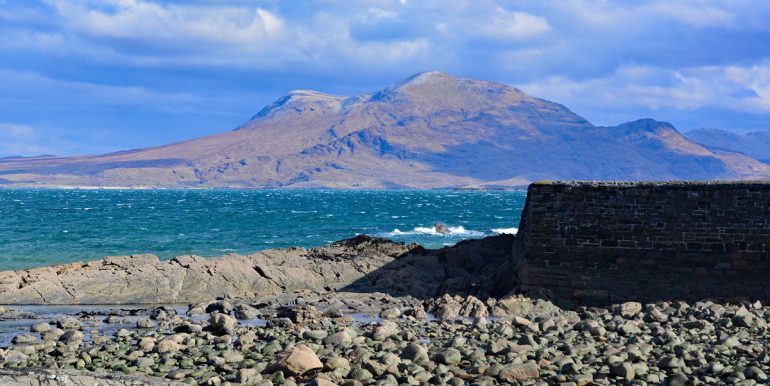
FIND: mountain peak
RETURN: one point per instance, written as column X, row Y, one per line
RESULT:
column 301, row 101
column 431, row 87
column 647, row 125
column 311, row 95
column 426, row 77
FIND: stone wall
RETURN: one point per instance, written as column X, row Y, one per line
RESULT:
column 607, row 242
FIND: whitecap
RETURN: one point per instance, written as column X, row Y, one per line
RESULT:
column 431, row 231
column 509, row 231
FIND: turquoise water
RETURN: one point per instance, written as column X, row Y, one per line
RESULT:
column 42, row 227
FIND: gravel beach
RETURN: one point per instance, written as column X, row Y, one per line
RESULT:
column 363, row 339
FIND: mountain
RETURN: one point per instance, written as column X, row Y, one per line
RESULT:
column 431, row 130
column 755, row 144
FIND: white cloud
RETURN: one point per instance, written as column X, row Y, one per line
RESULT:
column 19, row 139
column 630, row 15
column 47, row 93
column 514, row 25
column 144, row 20
column 597, row 55
column 738, row 88
column 696, row 13
column 15, row 131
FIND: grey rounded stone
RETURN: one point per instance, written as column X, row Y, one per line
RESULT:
column 449, row 356
column 40, row 327
column 145, row 323
column 71, row 337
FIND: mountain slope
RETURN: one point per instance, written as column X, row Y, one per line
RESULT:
column 755, row 144
column 431, row 130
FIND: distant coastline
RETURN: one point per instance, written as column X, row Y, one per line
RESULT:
column 85, row 187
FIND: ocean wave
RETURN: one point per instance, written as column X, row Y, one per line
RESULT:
column 510, row 231
column 431, row 231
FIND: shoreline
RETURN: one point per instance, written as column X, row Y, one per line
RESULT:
column 521, row 188
column 316, row 339
column 360, row 264
column 357, row 312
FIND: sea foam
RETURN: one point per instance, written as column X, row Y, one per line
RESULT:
column 453, row 231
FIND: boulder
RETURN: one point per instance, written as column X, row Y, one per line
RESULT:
column 221, row 306
column 161, row 313
column 340, row 338
column 69, row 323
column 385, row 330
column 441, row 228
column 414, row 352
column 297, row 360
column 221, row 323
column 390, row 313
column 628, row 309
column 300, row 314
column 71, row 337
column 145, row 323
column 519, row 372
column 40, row 327
column 245, row 312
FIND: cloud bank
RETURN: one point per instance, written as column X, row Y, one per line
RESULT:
column 89, row 76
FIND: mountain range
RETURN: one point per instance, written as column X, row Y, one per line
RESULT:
column 431, row 130
column 754, row 144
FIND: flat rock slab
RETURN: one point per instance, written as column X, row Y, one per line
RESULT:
column 360, row 264
column 144, row 279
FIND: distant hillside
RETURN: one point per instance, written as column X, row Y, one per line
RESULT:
column 755, row 144
column 431, row 130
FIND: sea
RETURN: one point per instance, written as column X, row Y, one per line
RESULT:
column 40, row 227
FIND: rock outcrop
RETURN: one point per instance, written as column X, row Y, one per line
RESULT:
column 359, row 264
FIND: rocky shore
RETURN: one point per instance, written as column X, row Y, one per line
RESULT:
column 304, row 339
column 363, row 311
column 360, row 264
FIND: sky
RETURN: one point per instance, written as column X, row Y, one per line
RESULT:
column 88, row 77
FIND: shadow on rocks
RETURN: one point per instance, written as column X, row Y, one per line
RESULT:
column 469, row 268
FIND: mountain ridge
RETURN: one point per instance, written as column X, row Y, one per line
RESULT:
column 431, row 130
column 755, row 144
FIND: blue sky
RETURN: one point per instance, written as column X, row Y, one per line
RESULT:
column 87, row 76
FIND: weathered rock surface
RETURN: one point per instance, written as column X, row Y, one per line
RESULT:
column 359, row 264
column 295, row 361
